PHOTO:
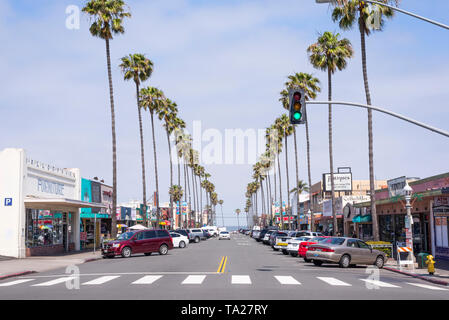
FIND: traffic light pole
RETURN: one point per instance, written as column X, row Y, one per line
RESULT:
column 396, row 115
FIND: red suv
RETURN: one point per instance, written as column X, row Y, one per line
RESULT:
column 143, row 241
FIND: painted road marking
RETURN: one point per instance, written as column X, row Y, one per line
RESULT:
column 427, row 286
column 101, row 280
column 13, row 283
column 222, row 265
column 53, row 282
column 241, row 280
column 333, row 281
column 380, row 283
column 147, row 280
column 287, row 280
column 194, row 279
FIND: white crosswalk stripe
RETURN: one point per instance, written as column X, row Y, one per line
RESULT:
column 241, row 280
column 377, row 283
column 194, row 279
column 13, row 283
column 287, row 280
column 334, row 281
column 147, row 280
column 100, row 280
column 53, row 282
column 426, row 286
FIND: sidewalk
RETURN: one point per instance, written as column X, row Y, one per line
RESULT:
column 11, row 267
column 441, row 275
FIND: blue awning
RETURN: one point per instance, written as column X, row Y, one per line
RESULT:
column 362, row 219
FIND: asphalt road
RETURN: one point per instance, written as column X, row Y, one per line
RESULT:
column 237, row 269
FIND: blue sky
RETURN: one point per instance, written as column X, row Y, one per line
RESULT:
column 224, row 63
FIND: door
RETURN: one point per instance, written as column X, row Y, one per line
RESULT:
column 366, row 254
column 150, row 241
column 138, row 243
column 65, row 241
column 354, row 250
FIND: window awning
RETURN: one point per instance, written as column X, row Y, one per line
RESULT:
column 362, row 219
column 59, row 204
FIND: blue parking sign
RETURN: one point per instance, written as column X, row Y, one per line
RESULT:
column 8, row 202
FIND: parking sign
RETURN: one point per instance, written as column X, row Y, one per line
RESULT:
column 8, row 202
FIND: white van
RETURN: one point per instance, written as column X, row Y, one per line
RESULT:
column 213, row 230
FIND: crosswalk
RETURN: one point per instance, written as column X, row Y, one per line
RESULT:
column 198, row 280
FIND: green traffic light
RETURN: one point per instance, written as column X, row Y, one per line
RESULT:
column 297, row 115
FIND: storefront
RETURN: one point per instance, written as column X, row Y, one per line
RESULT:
column 40, row 206
column 440, row 210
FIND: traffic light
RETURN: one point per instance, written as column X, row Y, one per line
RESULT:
column 297, row 106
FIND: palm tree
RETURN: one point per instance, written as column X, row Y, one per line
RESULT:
column 311, row 86
column 220, row 202
column 138, row 68
column 108, row 18
column 329, row 54
column 153, row 100
column 238, row 213
column 347, row 13
column 176, row 194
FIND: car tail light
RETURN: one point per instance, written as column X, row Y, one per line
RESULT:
column 328, row 250
column 312, row 249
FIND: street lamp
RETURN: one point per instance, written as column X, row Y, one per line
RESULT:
column 408, row 219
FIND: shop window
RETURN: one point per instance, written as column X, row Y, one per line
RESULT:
column 43, row 228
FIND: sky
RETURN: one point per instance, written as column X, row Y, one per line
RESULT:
column 224, row 63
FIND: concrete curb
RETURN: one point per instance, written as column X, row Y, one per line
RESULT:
column 435, row 281
column 92, row 259
column 16, row 275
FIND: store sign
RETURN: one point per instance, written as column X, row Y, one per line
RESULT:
column 50, row 187
column 396, row 186
column 342, row 182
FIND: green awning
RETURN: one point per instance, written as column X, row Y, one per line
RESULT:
column 362, row 219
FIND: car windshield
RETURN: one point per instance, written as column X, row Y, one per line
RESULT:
column 338, row 241
column 302, row 239
column 125, row 236
column 224, row 232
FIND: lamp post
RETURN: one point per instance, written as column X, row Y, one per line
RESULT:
column 408, row 219
column 309, row 213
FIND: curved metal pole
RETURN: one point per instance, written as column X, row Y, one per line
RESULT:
column 396, row 115
column 409, row 13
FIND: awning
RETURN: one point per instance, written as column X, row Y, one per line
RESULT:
column 59, row 204
column 362, row 219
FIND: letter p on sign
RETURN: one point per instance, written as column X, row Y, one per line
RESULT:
column 8, row 202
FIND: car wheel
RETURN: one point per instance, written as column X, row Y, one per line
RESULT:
column 345, row 261
column 317, row 262
column 293, row 254
column 147, row 253
column 126, row 252
column 306, row 260
column 163, row 249
column 197, row 239
column 182, row 244
column 285, row 252
column 379, row 262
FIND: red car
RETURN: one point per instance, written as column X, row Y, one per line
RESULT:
column 304, row 246
column 142, row 241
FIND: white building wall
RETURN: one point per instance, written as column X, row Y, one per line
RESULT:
column 12, row 226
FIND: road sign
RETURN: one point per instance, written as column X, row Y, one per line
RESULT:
column 8, row 202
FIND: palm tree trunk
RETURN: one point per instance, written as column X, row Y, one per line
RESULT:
column 263, row 202
column 288, row 184
column 280, row 195
column 370, row 133
column 114, row 145
column 331, row 156
column 297, row 174
column 142, row 154
column 312, row 209
column 155, row 174
column 271, row 201
column 201, row 201
column 190, row 195
column 171, row 179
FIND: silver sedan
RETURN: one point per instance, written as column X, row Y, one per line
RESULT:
column 345, row 252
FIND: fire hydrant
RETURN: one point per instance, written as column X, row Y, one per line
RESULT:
column 430, row 264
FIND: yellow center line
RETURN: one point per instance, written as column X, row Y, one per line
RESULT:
column 222, row 265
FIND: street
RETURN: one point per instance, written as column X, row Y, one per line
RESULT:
column 239, row 269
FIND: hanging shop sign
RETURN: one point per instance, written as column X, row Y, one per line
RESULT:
column 342, row 182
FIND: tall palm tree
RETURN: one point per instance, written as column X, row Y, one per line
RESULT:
column 238, row 213
column 220, row 202
column 311, row 86
column 138, row 68
column 330, row 53
column 108, row 21
column 176, row 194
column 349, row 13
column 153, row 100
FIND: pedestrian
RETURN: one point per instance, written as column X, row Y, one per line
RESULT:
column 354, row 235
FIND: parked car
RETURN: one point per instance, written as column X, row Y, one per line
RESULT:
column 256, row 235
column 294, row 244
column 264, row 232
column 345, row 252
column 304, row 246
column 179, row 240
column 266, row 238
column 197, row 235
column 206, row 233
column 144, row 241
column 224, row 235
column 280, row 241
column 187, row 233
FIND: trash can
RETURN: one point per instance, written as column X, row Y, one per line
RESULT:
column 421, row 260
